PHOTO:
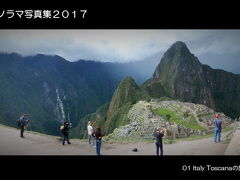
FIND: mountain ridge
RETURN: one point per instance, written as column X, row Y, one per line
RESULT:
column 182, row 76
column 84, row 87
column 45, row 86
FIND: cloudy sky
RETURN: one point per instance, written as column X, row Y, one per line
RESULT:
column 215, row 46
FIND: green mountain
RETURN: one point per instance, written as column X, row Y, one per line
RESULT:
column 113, row 114
column 126, row 94
column 51, row 90
column 127, row 91
column 180, row 75
column 225, row 88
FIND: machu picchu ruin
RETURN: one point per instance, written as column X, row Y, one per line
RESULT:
column 182, row 119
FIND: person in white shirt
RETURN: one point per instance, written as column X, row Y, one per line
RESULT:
column 90, row 134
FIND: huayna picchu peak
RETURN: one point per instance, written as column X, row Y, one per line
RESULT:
column 180, row 75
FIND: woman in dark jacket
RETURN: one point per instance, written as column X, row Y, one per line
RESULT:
column 98, row 136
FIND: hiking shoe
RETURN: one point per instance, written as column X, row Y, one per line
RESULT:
column 69, row 143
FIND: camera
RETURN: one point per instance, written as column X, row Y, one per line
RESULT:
column 68, row 124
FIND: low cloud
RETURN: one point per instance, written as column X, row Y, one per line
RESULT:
column 118, row 45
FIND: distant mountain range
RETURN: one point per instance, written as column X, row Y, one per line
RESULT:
column 179, row 76
column 51, row 89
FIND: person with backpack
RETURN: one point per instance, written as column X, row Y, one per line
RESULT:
column 98, row 136
column 22, row 123
column 90, row 134
column 65, row 131
column 217, row 128
column 158, row 135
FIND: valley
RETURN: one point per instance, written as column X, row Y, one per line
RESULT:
column 182, row 95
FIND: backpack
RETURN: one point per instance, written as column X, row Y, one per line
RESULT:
column 61, row 127
column 135, row 150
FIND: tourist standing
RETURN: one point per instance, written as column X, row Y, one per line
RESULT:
column 65, row 132
column 22, row 122
column 217, row 128
column 98, row 136
column 159, row 134
column 91, row 138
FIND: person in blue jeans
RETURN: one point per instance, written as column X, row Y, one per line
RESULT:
column 217, row 128
column 98, row 136
column 159, row 134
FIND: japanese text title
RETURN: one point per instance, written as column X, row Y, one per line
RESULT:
column 42, row 14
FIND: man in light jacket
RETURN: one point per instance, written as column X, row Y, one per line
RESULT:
column 90, row 134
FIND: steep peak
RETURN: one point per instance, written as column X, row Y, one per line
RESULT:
column 128, row 80
column 181, row 75
column 179, row 44
column 125, row 92
column 177, row 58
column 179, row 48
column 126, row 87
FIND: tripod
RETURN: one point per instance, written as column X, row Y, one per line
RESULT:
column 29, row 125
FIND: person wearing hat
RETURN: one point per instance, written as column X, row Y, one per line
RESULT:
column 23, row 123
column 217, row 128
column 160, row 132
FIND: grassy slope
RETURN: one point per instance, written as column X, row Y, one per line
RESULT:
column 190, row 122
column 113, row 115
column 28, row 85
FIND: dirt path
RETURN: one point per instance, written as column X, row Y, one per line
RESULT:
column 35, row 144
